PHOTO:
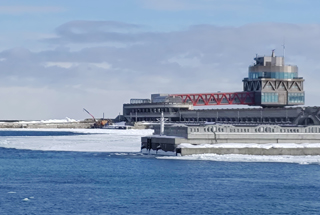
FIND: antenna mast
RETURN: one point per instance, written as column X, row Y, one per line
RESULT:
column 284, row 49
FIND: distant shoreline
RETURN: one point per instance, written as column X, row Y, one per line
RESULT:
column 45, row 124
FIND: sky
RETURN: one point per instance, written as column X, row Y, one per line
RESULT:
column 58, row 57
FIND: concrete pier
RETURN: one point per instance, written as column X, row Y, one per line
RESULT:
column 250, row 151
column 212, row 135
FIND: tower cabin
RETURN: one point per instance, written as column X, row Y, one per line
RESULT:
column 274, row 83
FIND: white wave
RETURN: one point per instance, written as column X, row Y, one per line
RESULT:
column 97, row 140
column 25, row 199
column 249, row 158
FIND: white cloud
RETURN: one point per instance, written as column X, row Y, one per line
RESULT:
column 65, row 65
column 82, row 31
column 239, row 6
column 102, row 77
column 167, row 4
column 185, row 61
column 103, row 65
column 22, row 9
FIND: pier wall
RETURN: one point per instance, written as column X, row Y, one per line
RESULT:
column 224, row 134
column 251, row 151
column 253, row 138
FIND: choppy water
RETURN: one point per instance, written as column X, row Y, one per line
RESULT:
column 55, row 182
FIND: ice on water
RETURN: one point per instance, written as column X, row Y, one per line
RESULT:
column 124, row 141
column 252, row 145
column 96, row 140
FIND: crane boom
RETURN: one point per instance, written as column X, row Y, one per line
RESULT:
column 89, row 114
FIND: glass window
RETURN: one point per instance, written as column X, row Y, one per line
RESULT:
column 269, row 97
column 278, row 75
column 296, row 97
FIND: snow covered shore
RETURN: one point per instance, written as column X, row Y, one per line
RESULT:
column 123, row 142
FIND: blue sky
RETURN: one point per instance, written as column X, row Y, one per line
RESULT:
column 57, row 57
column 166, row 15
column 161, row 15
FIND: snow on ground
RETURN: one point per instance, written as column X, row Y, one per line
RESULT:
column 249, row 158
column 95, row 140
column 252, row 145
column 120, row 123
column 66, row 120
column 122, row 141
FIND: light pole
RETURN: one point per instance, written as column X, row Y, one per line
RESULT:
column 217, row 116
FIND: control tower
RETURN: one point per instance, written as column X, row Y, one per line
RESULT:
column 274, row 83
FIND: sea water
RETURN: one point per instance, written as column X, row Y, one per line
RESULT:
column 103, row 172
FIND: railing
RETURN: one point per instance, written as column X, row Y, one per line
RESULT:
column 235, row 98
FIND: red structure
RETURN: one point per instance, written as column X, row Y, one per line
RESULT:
column 236, row 98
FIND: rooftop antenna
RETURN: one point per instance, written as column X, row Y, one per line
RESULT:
column 284, row 49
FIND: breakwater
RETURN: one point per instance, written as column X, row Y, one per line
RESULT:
column 201, row 139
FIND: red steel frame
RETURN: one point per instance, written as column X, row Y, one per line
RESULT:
column 235, row 98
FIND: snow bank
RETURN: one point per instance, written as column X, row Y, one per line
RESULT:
column 252, row 145
column 249, row 158
column 129, row 141
column 66, row 120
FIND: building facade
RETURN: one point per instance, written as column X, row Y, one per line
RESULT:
column 270, row 84
column 274, row 83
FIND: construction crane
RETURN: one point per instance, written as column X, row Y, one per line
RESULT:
column 94, row 119
column 100, row 122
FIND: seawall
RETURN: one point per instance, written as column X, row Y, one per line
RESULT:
column 250, row 151
column 229, row 136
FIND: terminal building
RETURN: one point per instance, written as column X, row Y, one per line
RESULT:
column 272, row 90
